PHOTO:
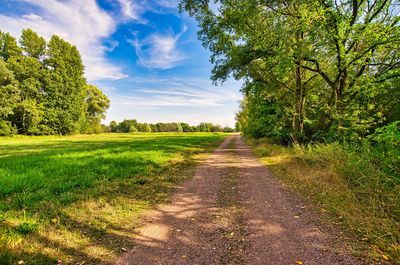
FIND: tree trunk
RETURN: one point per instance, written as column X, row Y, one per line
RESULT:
column 298, row 116
column 339, row 102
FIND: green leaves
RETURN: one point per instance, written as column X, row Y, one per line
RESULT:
column 328, row 66
column 32, row 44
column 43, row 88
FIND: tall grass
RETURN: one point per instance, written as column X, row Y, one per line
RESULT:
column 79, row 198
column 357, row 184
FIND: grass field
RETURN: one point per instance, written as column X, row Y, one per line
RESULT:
column 356, row 186
column 79, row 198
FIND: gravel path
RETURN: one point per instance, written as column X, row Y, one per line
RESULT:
column 233, row 211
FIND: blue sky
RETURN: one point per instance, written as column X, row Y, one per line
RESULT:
column 143, row 54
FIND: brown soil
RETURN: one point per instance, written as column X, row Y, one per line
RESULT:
column 233, row 211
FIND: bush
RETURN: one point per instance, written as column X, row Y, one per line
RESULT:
column 389, row 134
column 7, row 129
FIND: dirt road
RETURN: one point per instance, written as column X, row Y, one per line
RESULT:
column 233, row 211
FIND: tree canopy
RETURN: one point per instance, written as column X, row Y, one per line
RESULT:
column 312, row 69
column 43, row 88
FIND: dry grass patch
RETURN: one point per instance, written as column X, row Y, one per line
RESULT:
column 357, row 186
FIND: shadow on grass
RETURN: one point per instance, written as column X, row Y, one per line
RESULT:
column 130, row 179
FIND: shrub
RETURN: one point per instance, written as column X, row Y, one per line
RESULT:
column 7, row 129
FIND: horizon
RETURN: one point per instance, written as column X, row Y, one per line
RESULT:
column 144, row 55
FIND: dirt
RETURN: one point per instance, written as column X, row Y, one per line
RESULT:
column 234, row 211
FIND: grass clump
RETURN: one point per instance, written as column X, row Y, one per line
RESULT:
column 78, row 199
column 357, row 184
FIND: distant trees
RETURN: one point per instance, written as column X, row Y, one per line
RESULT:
column 131, row 125
column 43, row 88
column 313, row 70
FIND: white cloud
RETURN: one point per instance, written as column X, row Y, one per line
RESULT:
column 159, row 51
column 82, row 23
column 132, row 10
column 192, row 100
column 168, row 3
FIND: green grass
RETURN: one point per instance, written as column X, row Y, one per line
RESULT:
column 357, row 186
column 79, row 198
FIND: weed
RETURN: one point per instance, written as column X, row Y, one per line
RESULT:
column 358, row 185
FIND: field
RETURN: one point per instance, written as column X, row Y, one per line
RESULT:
column 355, row 186
column 78, row 199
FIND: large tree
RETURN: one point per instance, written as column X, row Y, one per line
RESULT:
column 323, row 59
column 9, row 97
column 43, row 87
column 28, row 71
column 65, row 87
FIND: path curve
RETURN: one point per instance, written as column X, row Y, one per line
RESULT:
column 233, row 211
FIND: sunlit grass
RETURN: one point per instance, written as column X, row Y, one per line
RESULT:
column 358, row 186
column 79, row 198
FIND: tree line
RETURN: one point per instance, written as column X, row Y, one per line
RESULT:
column 314, row 70
column 132, row 126
column 43, row 90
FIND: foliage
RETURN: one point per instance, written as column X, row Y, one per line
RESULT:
column 96, row 106
column 6, row 128
column 318, row 70
column 126, row 125
column 43, row 88
column 132, row 129
column 389, row 134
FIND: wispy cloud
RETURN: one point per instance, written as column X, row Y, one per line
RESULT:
column 192, row 100
column 168, row 3
column 159, row 51
column 83, row 23
column 133, row 10
column 156, row 93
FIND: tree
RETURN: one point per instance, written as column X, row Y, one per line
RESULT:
column 179, row 128
column 29, row 71
column 65, row 87
column 323, row 62
column 9, row 97
column 8, row 47
column 185, row 127
column 357, row 45
column 44, row 90
column 96, row 106
column 258, row 41
column 32, row 44
column 114, row 126
column 147, row 128
column 125, row 125
column 132, row 129
column 204, row 127
column 216, row 128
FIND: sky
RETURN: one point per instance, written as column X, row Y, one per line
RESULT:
column 143, row 54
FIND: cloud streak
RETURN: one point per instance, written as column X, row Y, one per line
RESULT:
column 161, row 93
column 191, row 100
column 159, row 51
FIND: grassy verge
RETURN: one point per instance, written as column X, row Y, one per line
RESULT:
column 358, row 186
column 78, row 199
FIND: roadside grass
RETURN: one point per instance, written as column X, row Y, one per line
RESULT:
column 78, row 199
column 357, row 186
